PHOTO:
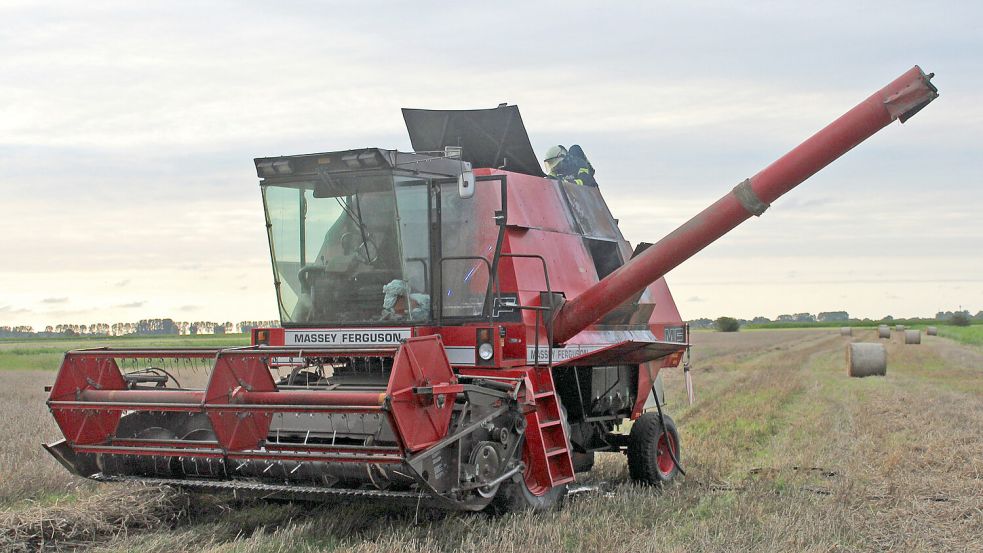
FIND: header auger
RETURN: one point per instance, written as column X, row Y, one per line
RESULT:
column 457, row 328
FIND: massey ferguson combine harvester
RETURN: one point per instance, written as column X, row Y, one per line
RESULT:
column 457, row 328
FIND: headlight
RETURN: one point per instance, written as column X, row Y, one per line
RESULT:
column 486, row 351
column 485, row 339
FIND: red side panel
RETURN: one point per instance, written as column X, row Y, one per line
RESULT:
column 77, row 374
column 233, row 377
column 665, row 307
column 647, row 372
column 571, row 269
column 536, row 203
column 624, row 353
column 422, row 418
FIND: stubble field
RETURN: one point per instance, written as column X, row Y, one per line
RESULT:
column 783, row 453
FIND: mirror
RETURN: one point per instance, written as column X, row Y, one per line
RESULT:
column 465, row 184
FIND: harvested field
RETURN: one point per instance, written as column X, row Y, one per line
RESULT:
column 783, row 450
column 45, row 354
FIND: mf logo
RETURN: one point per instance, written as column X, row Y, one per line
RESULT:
column 675, row 334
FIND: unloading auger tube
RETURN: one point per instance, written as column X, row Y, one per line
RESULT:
column 901, row 99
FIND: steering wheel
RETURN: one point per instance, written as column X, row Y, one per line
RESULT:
column 304, row 275
column 367, row 252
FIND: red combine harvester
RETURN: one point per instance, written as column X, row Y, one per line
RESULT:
column 457, row 328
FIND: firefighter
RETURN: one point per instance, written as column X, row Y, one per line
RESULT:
column 570, row 165
column 579, row 167
column 554, row 159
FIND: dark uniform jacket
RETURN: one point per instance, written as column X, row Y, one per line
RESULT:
column 575, row 167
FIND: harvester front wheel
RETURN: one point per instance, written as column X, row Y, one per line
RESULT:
column 515, row 496
column 524, row 494
column 649, row 458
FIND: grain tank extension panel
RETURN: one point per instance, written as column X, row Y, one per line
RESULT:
column 491, row 138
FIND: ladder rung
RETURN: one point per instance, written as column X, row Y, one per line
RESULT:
column 565, row 480
column 556, row 451
column 539, row 395
column 548, row 424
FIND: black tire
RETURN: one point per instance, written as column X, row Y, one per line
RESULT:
column 648, row 459
column 515, row 496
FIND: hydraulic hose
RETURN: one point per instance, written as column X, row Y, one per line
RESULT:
column 665, row 430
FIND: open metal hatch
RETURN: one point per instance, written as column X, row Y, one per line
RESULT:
column 494, row 138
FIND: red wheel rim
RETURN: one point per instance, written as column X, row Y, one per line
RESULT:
column 663, row 456
column 533, row 481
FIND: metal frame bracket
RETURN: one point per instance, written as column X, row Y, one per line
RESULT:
column 749, row 200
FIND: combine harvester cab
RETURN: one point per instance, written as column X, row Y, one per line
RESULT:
column 457, row 328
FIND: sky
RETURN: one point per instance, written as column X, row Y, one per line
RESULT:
column 128, row 129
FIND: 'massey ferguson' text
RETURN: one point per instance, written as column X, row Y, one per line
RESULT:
column 346, row 337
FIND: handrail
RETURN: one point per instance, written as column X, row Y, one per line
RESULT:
column 547, row 325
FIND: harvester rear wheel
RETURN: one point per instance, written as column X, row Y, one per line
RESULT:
column 649, row 458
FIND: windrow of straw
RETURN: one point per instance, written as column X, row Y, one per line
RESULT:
column 111, row 513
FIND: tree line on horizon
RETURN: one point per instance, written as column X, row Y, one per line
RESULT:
column 826, row 317
column 150, row 327
column 143, row 327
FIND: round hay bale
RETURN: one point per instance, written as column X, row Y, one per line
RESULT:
column 932, row 331
column 899, row 328
column 883, row 332
column 846, row 331
column 913, row 336
column 865, row 359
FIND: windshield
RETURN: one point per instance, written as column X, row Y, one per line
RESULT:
column 350, row 249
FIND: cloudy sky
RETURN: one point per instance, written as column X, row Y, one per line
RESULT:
column 127, row 133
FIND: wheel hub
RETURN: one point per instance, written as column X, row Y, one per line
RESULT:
column 486, row 462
